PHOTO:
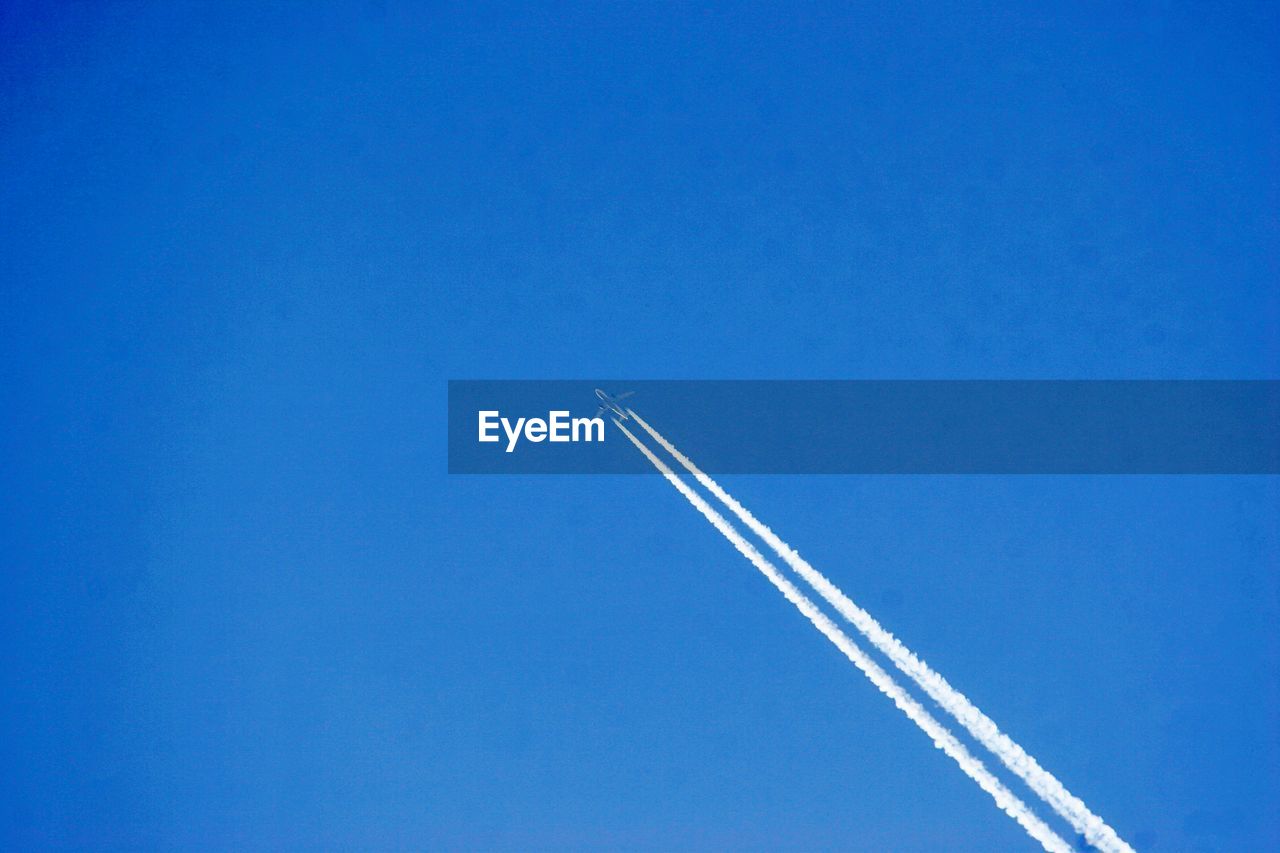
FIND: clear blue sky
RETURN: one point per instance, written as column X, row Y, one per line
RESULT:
column 243, row 249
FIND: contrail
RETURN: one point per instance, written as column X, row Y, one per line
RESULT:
column 942, row 738
column 1044, row 783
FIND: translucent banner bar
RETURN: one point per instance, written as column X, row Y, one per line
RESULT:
column 871, row 427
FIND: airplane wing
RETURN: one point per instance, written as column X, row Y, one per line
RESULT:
column 624, row 395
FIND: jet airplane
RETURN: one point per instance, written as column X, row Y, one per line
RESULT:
column 612, row 404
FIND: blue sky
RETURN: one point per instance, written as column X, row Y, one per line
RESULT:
column 244, row 249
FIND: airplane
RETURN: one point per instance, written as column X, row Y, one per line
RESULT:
column 611, row 404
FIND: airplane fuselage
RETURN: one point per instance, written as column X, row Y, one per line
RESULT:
column 611, row 403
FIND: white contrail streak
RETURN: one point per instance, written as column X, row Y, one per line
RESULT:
column 1044, row 783
column 942, row 738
